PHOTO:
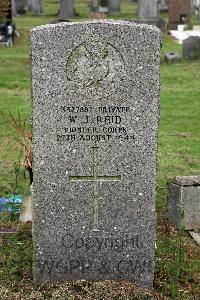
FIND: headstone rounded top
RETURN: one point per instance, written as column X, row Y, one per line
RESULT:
column 99, row 21
column 191, row 39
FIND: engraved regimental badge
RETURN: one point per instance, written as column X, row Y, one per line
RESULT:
column 95, row 69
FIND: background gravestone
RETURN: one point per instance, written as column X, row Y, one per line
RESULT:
column 21, row 6
column 163, row 5
column 179, row 13
column 184, row 202
column 36, row 6
column 148, row 9
column 14, row 11
column 94, row 6
column 66, row 9
column 114, row 7
column 100, row 9
column 191, row 47
column 5, row 11
column 148, row 13
column 95, row 90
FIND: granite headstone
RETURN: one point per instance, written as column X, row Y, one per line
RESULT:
column 95, row 91
column 191, row 47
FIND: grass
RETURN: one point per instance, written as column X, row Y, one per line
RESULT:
column 177, row 275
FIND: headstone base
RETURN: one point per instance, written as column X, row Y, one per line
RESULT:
column 184, row 202
column 93, row 200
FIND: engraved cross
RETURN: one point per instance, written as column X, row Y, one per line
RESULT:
column 94, row 178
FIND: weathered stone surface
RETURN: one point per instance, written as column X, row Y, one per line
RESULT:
column 184, row 202
column 95, row 90
column 14, row 11
column 195, row 236
column 191, row 47
column 188, row 180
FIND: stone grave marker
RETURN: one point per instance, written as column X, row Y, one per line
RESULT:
column 5, row 11
column 21, row 6
column 163, row 5
column 95, row 91
column 114, row 7
column 36, row 6
column 191, row 47
column 66, row 9
column 184, row 202
column 179, row 13
column 148, row 9
column 148, row 13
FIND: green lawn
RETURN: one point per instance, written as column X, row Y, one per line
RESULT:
column 177, row 273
